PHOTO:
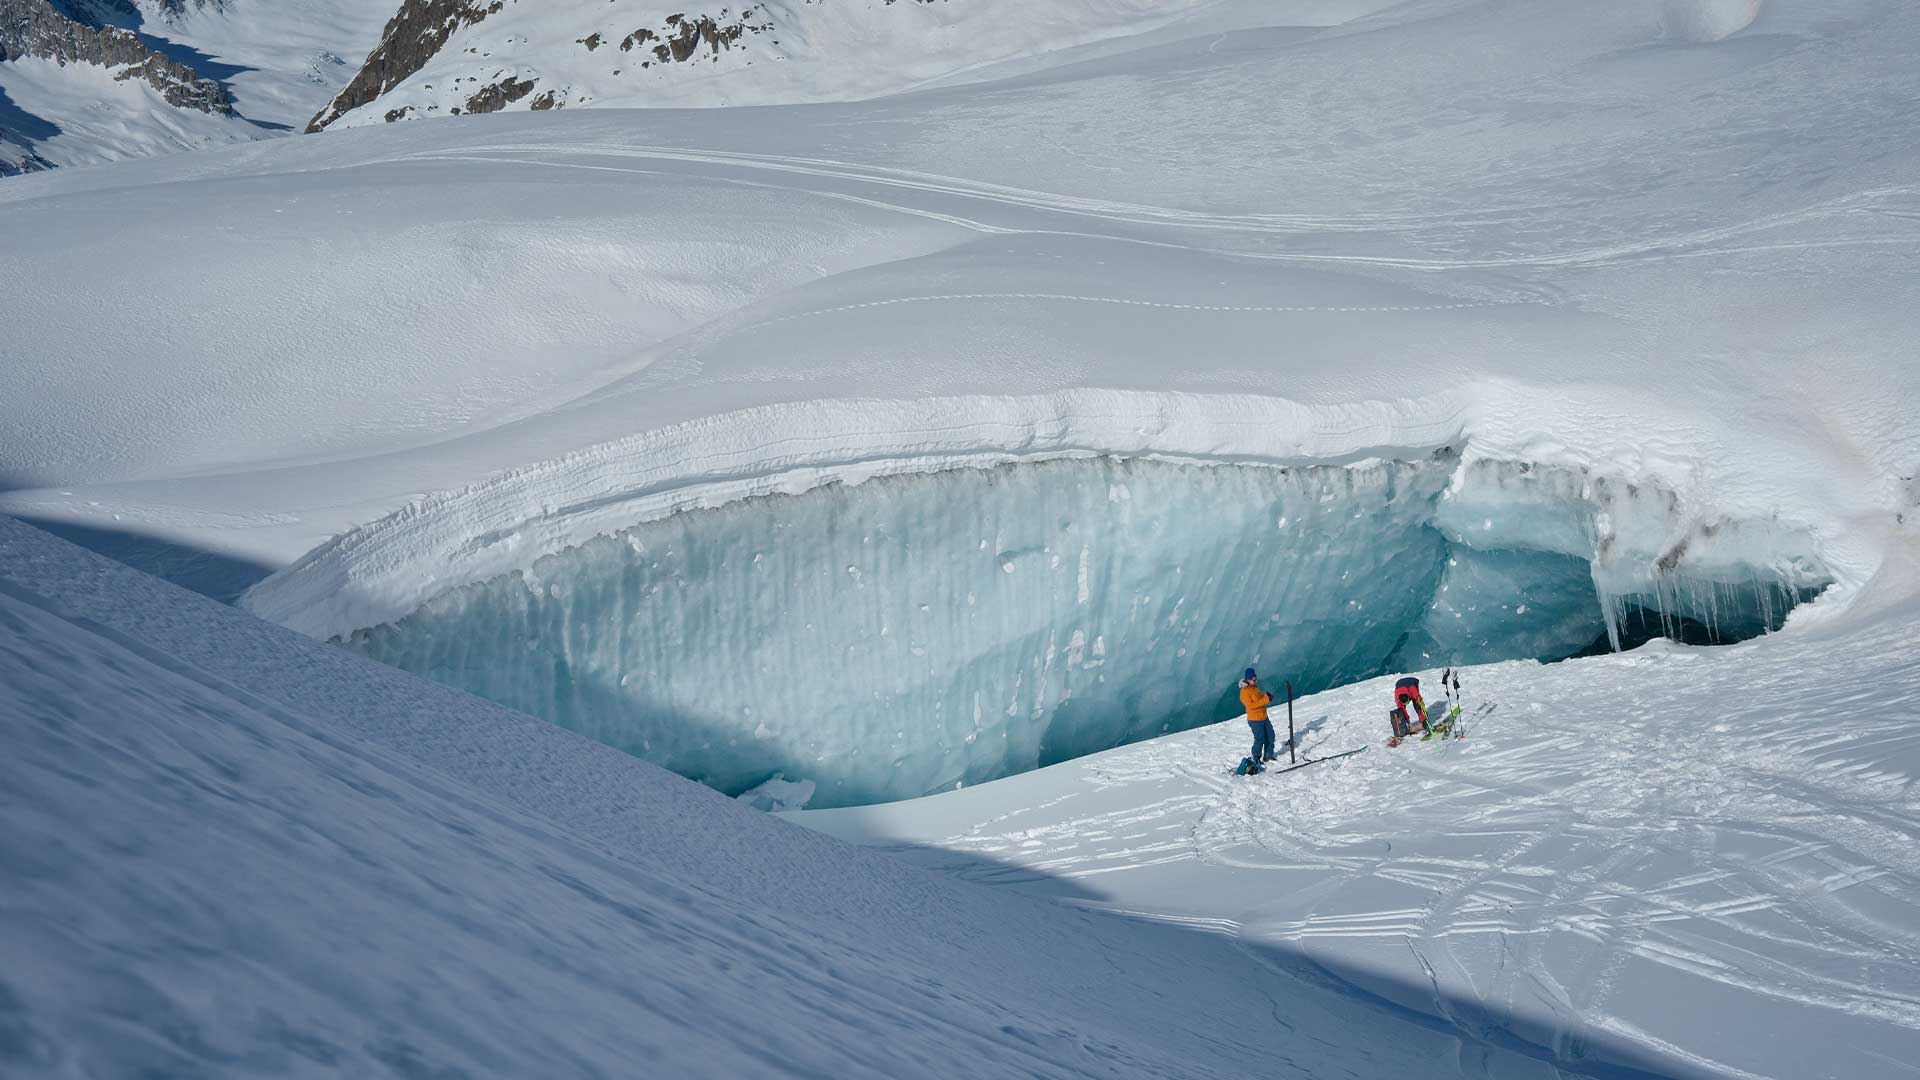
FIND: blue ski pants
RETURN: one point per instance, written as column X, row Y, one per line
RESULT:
column 1262, row 739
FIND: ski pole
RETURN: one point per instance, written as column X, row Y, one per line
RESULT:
column 1291, row 759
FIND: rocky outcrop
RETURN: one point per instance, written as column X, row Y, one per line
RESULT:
column 499, row 95
column 179, row 7
column 38, row 28
column 422, row 28
column 412, row 37
column 98, row 13
column 683, row 35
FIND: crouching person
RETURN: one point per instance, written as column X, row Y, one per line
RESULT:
column 1406, row 692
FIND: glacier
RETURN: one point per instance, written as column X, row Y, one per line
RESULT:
column 920, row 632
column 1644, row 270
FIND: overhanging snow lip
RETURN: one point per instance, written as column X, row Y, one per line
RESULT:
column 383, row 571
column 388, row 568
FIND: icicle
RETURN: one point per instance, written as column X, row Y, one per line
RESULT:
column 1609, row 610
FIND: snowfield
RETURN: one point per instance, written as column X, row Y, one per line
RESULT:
column 861, row 449
column 1704, row 854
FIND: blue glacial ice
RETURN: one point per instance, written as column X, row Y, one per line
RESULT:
column 913, row 633
column 1655, row 572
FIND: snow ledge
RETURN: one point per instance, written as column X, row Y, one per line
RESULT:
column 387, row 569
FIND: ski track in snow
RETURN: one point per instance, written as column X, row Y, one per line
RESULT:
column 1873, row 207
column 1621, row 844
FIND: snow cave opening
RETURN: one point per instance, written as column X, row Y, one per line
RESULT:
column 914, row 633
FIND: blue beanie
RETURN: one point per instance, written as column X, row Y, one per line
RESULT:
column 1250, row 673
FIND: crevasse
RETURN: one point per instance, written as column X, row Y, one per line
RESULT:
column 912, row 633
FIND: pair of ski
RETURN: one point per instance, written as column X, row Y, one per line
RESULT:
column 1299, row 764
column 1453, row 724
column 1450, row 726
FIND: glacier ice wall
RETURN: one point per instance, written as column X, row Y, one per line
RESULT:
column 1701, row 579
column 911, row 633
column 900, row 636
column 1503, row 604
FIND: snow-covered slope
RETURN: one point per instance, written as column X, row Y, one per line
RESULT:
column 453, row 57
column 77, row 85
column 233, row 851
column 76, row 113
column 88, row 81
column 1707, row 855
column 1612, row 271
column 280, row 60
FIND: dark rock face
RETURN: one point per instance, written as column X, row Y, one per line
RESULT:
column 703, row 30
column 499, row 95
column 172, row 8
column 411, row 38
column 99, row 13
column 683, row 35
column 76, row 32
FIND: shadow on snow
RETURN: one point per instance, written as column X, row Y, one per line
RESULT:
column 211, row 574
column 23, row 125
column 1470, row 1035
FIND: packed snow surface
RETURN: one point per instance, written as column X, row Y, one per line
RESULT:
column 1696, row 862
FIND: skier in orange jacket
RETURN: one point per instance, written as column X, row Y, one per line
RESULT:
column 1256, row 701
